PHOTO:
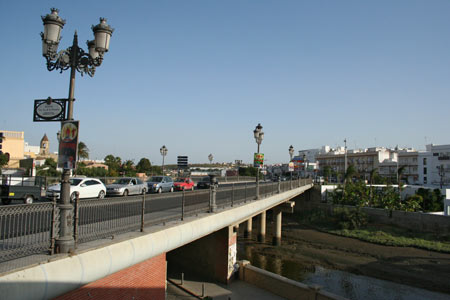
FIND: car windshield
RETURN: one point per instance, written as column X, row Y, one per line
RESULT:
column 75, row 181
column 155, row 179
column 205, row 179
column 122, row 181
column 180, row 180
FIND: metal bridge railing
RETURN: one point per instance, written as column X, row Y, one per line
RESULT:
column 28, row 229
column 32, row 229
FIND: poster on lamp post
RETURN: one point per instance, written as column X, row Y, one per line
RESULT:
column 68, row 145
column 291, row 167
column 258, row 160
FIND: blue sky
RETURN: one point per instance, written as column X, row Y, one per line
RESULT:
column 198, row 76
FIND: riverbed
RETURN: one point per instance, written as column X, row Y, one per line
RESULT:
column 349, row 267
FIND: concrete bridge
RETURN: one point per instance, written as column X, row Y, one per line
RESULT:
column 134, row 264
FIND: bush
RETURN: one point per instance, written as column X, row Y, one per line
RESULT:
column 349, row 219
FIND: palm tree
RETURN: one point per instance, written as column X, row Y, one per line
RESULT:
column 351, row 171
column 400, row 173
column 83, row 151
column 372, row 174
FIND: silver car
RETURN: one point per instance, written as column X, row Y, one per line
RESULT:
column 126, row 186
column 159, row 184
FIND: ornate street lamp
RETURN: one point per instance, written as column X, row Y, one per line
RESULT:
column 210, row 158
column 291, row 154
column 163, row 150
column 291, row 151
column 259, row 136
column 75, row 59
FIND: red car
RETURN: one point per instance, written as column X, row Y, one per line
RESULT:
column 183, row 184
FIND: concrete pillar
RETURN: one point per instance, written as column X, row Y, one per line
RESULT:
column 248, row 228
column 212, row 256
column 262, row 227
column 277, row 230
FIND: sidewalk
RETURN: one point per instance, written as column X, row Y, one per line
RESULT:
column 237, row 290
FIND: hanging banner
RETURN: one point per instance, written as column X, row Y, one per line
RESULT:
column 68, row 144
column 258, row 160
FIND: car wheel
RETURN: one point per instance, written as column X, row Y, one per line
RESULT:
column 101, row 195
column 171, row 189
column 6, row 201
column 125, row 193
column 28, row 199
column 159, row 190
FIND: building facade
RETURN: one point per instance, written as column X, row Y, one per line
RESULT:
column 12, row 144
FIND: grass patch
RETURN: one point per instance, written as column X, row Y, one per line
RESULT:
column 377, row 233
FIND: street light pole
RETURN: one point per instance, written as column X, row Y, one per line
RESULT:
column 259, row 136
column 77, row 60
column 291, row 154
column 163, row 150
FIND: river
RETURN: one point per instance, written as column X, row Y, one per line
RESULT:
column 341, row 283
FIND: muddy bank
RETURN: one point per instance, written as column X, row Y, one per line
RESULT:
column 308, row 248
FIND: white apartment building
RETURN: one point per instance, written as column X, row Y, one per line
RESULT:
column 434, row 165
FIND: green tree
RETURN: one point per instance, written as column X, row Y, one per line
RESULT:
column 4, row 159
column 48, row 168
column 413, row 203
column 372, row 175
column 144, row 165
column 114, row 163
column 128, row 168
column 83, row 151
column 327, row 173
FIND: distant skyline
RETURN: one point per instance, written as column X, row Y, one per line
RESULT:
column 198, row 76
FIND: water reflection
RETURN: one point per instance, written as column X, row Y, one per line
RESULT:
column 341, row 283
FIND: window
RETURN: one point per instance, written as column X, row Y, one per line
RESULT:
column 425, row 180
column 435, row 154
column 92, row 182
column 424, row 171
column 425, row 161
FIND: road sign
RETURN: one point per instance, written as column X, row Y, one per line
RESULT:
column 48, row 110
column 68, row 144
column 182, row 161
column 258, row 160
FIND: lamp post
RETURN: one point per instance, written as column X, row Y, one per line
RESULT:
column 304, row 164
column 163, row 150
column 75, row 59
column 210, row 158
column 345, row 156
column 396, row 151
column 259, row 136
column 291, row 154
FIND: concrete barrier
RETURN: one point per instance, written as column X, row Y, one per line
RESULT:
column 282, row 286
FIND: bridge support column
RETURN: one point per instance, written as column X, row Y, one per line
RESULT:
column 248, row 228
column 262, row 227
column 276, row 241
column 212, row 256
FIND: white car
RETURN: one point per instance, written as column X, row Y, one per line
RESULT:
column 87, row 187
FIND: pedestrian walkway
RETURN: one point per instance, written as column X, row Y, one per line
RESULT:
column 197, row 289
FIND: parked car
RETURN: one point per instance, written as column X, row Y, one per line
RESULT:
column 126, row 186
column 86, row 187
column 205, row 182
column 183, row 184
column 159, row 184
column 26, row 189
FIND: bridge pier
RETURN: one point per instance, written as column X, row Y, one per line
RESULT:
column 211, row 257
column 262, row 227
column 248, row 228
column 277, row 214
